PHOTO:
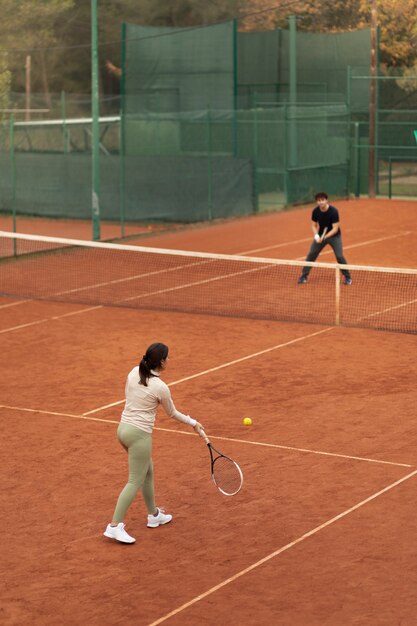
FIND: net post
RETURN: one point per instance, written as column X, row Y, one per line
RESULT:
column 337, row 297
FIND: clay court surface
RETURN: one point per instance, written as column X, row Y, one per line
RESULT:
column 323, row 531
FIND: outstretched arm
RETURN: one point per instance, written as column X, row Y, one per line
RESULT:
column 171, row 411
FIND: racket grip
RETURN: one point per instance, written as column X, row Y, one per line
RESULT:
column 204, row 436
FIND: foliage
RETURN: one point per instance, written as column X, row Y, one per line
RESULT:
column 398, row 23
column 29, row 27
column 397, row 20
column 57, row 33
column 5, row 77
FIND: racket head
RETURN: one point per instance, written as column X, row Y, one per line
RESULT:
column 226, row 475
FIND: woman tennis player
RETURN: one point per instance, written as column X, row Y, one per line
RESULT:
column 144, row 392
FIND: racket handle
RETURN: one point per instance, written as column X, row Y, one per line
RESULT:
column 204, row 436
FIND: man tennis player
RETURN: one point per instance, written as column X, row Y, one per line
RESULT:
column 326, row 229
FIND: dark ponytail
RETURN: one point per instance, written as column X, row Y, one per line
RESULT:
column 154, row 355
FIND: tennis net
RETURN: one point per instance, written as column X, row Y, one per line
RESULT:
column 110, row 274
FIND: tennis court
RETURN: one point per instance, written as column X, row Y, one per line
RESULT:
column 322, row 531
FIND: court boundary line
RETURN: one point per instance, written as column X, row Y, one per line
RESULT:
column 364, row 243
column 19, row 302
column 84, row 416
column 391, row 308
column 48, row 319
column 279, row 551
column 228, row 364
column 307, row 239
column 277, row 245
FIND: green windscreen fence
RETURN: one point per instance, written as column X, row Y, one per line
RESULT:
column 321, row 60
column 179, row 125
column 45, row 168
column 220, row 100
column 210, row 123
column 169, row 70
column 395, row 121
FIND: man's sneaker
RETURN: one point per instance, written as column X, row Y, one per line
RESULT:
column 347, row 281
column 118, row 532
column 158, row 520
column 302, row 280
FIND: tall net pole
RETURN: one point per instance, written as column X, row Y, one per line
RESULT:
column 373, row 103
column 95, row 152
column 28, row 94
column 293, row 90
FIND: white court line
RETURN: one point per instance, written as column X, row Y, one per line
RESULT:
column 291, row 448
column 363, row 243
column 192, row 284
column 281, row 550
column 165, row 270
column 5, row 306
column 219, row 367
column 57, row 414
column 48, row 319
column 261, row 444
column 78, row 312
column 278, row 245
column 391, row 308
column 307, row 450
column 156, row 272
column 11, row 328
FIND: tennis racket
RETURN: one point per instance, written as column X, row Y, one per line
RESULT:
column 323, row 235
column 226, row 473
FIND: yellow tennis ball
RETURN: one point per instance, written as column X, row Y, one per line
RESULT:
column 247, row 421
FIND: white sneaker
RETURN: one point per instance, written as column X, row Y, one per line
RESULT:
column 118, row 532
column 157, row 520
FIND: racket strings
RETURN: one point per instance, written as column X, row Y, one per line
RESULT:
column 227, row 475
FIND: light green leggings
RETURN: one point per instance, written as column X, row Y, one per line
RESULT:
column 138, row 445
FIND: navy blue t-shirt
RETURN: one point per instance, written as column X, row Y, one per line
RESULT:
column 326, row 219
